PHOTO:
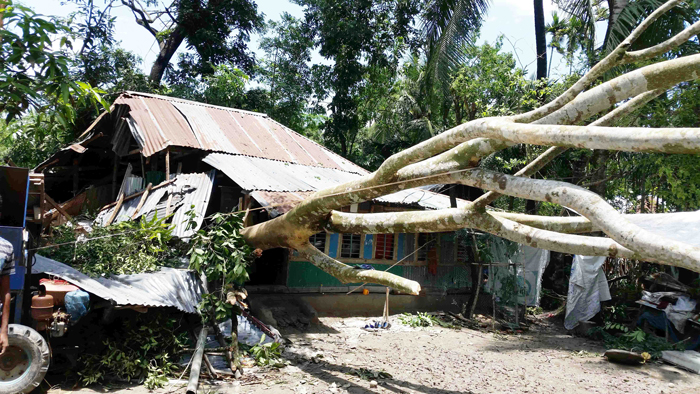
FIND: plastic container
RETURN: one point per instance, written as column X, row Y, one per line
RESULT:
column 77, row 304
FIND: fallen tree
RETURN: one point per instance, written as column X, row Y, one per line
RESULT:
column 454, row 157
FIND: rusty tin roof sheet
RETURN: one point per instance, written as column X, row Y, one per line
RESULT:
column 160, row 121
column 186, row 189
column 252, row 173
column 278, row 203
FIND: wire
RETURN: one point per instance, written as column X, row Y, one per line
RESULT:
column 349, row 191
column 265, row 207
column 394, row 265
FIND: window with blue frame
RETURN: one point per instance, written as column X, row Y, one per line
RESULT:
column 350, row 246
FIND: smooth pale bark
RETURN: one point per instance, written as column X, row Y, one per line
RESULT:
column 615, row 58
column 451, row 157
column 593, row 207
column 550, row 154
column 347, row 274
column 454, row 219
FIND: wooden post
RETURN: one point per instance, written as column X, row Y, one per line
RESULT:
column 167, row 164
column 247, row 201
column 116, row 209
column 197, row 362
column 143, row 170
column 142, row 201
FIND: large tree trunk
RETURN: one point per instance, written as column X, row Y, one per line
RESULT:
column 540, row 40
column 453, row 157
column 168, row 47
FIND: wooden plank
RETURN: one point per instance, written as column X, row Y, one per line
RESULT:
column 58, row 207
column 144, row 196
column 167, row 164
column 41, row 167
column 165, row 183
column 113, row 216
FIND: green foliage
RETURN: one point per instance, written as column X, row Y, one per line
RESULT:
column 488, row 83
column 225, row 87
column 420, row 319
column 124, row 248
column 267, row 354
column 34, row 77
column 636, row 341
column 364, row 40
column 222, row 255
column 142, row 348
column 292, row 81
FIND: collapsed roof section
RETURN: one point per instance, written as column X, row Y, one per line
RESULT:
column 185, row 192
column 169, row 287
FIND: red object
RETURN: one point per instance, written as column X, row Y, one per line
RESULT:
column 58, row 288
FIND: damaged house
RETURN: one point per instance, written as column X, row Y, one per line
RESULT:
column 156, row 155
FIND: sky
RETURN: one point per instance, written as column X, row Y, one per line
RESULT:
column 514, row 19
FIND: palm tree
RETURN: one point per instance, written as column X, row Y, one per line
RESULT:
column 622, row 16
column 540, row 40
column 447, row 26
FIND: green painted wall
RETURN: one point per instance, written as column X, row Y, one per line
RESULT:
column 305, row 274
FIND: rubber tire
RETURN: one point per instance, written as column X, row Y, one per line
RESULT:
column 28, row 339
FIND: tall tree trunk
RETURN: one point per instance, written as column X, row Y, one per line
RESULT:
column 168, row 47
column 540, row 40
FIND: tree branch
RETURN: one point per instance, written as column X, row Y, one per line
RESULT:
column 553, row 152
column 613, row 59
column 144, row 19
column 593, row 207
column 347, row 274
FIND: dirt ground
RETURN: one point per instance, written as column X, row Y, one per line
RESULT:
column 436, row 360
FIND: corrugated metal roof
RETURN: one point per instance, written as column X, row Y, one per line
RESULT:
column 160, row 121
column 168, row 287
column 278, row 203
column 186, row 189
column 421, row 197
column 252, row 173
column 199, row 198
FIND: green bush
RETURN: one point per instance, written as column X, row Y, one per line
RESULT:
column 124, row 248
column 142, row 349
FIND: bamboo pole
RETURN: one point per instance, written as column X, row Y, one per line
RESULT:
column 196, row 367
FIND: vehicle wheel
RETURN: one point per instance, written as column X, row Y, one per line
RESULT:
column 25, row 362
